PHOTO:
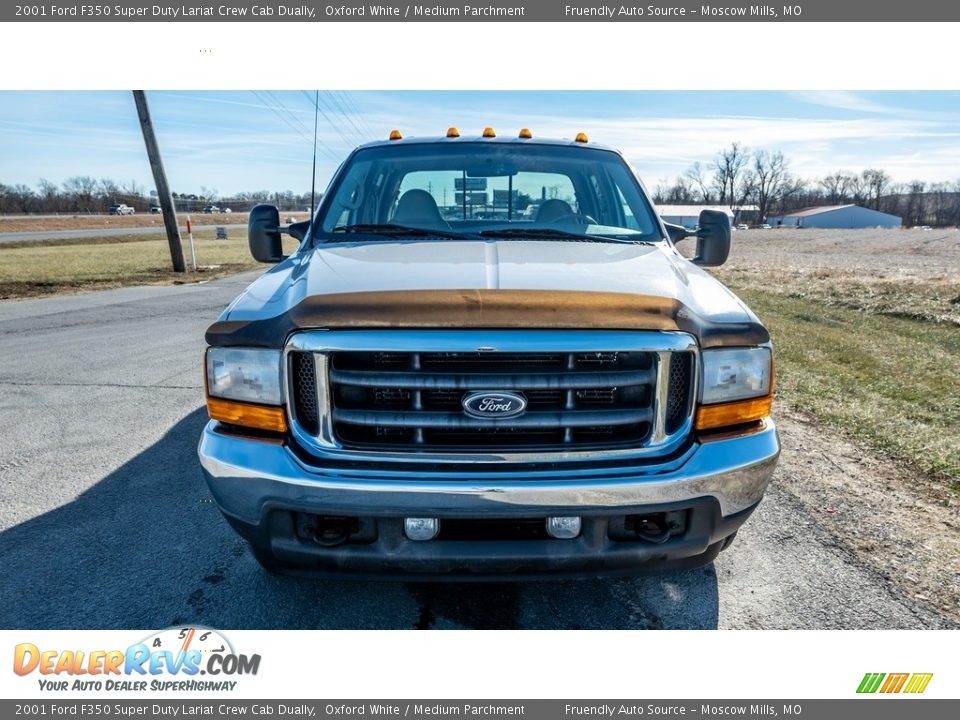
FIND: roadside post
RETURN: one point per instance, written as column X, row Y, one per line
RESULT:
column 193, row 252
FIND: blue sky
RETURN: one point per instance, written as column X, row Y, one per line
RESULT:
column 253, row 140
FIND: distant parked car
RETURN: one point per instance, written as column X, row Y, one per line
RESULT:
column 155, row 210
column 120, row 210
column 765, row 226
column 210, row 209
column 227, row 210
column 743, row 226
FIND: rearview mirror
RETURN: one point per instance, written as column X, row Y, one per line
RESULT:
column 713, row 238
column 263, row 234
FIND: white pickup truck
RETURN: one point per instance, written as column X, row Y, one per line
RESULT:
column 443, row 383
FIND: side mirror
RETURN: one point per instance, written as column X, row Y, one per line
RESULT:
column 676, row 232
column 297, row 230
column 263, row 234
column 713, row 238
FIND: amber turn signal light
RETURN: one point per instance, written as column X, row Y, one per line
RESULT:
column 711, row 417
column 259, row 417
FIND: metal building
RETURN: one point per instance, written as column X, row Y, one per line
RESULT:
column 836, row 217
column 689, row 215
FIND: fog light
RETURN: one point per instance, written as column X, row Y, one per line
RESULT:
column 563, row 528
column 421, row 528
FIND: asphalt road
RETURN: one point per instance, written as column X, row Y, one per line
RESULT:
column 102, row 232
column 105, row 519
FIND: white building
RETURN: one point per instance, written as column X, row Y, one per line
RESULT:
column 689, row 215
column 836, row 217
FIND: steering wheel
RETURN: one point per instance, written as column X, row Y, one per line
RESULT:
column 574, row 219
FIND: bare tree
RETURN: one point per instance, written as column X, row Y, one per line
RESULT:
column 730, row 166
column 697, row 175
column 836, row 187
column 132, row 189
column 81, row 190
column 770, row 171
column 678, row 193
column 916, row 205
column 877, row 181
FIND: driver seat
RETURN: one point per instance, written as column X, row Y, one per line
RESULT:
column 553, row 210
column 417, row 208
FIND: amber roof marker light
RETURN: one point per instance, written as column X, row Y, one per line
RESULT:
column 453, row 132
column 489, row 132
column 581, row 138
column 525, row 134
column 395, row 135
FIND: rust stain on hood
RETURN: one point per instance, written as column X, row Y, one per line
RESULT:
column 488, row 308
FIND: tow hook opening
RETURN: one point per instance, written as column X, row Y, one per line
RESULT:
column 333, row 530
column 656, row 528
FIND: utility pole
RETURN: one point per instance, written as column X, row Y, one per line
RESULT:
column 160, row 179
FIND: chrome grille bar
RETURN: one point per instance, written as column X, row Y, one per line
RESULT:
column 396, row 394
column 566, row 380
column 569, row 418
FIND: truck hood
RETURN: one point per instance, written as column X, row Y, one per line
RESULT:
column 387, row 282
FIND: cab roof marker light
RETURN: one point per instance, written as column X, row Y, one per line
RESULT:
column 525, row 134
column 453, row 133
column 395, row 135
column 489, row 132
column 581, row 138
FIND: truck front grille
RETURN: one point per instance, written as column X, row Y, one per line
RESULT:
column 414, row 401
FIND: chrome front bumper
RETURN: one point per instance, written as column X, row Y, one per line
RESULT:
column 248, row 478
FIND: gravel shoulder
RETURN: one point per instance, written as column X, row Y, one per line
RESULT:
column 900, row 525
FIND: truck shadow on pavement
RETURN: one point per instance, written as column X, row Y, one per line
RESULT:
column 145, row 547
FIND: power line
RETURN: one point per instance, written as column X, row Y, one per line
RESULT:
column 346, row 116
column 303, row 133
column 336, row 128
column 287, row 110
column 356, row 111
column 276, row 112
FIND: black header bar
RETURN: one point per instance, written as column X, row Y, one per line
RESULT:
column 484, row 11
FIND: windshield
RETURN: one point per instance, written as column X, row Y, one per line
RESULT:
column 495, row 189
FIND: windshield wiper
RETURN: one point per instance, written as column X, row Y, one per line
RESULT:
column 400, row 231
column 554, row 234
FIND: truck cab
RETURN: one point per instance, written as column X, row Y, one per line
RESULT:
column 487, row 359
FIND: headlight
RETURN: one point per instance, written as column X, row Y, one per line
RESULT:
column 244, row 374
column 735, row 374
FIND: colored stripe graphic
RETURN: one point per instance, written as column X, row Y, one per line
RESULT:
column 918, row 682
column 870, row 682
column 895, row 683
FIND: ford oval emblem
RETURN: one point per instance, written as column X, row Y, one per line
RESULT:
column 492, row 404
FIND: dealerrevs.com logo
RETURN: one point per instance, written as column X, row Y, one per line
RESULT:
column 171, row 659
column 910, row 683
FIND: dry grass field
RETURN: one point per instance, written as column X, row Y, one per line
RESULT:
column 97, row 222
column 866, row 326
column 29, row 269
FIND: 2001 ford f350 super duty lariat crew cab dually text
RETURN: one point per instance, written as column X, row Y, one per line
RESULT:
column 487, row 359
